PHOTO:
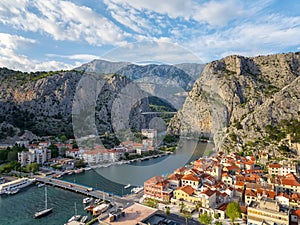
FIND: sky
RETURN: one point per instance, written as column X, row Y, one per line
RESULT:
column 63, row 34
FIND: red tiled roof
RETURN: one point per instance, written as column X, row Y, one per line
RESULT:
column 175, row 176
column 191, row 177
column 187, row 189
column 208, row 192
column 275, row 165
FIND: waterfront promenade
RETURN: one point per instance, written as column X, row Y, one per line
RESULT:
column 86, row 190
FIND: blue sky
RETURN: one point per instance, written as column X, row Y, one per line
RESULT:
column 57, row 34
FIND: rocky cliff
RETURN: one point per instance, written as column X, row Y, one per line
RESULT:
column 43, row 102
column 236, row 97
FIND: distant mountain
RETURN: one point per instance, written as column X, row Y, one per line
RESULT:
column 101, row 66
column 171, row 83
column 245, row 103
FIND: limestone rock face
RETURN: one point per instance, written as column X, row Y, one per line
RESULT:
column 43, row 102
column 236, row 97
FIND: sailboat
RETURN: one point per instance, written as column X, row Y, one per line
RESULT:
column 75, row 217
column 45, row 211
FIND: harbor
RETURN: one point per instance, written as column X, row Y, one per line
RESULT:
column 72, row 187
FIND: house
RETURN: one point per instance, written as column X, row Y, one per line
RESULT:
column 187, row 195
column 39, row 156
column 277, row 169
column 158, row 188
column 191, row 180
column 267, row 212
column 288, row 184
column 208, row 198
column 175, row 180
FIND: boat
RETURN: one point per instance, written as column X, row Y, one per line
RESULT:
column 16, row 184
column 137, row 189
column 97, row 201
column 127, row 186
column 87, row 168
column 45, row 211
column 84, row 219
column 89, row 208
column 13, row 191
column 41, row 185
column 100, row 209
column 79, row 171
column 75, row 217
column 87, row 200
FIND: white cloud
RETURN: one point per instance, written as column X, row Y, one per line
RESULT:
column 214, row 13
column 10, row 58
column 271, row 34
column 62, row 20
column 80, row 57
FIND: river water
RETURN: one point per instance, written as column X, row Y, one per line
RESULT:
column 19, row 209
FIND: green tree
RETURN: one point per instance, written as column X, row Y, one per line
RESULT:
column 54, row 150
column 168, row 210
column 182, row 205
column 12, row 156
column 186, row 216
column 63, row 138
column 233, row 211
column 80, row 163
column 205, row 218
column 32, row 167
column 219, row 223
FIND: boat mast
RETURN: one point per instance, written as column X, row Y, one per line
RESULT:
column 46, row 197
column 75, row 209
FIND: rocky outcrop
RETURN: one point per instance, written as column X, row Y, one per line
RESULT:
column 236, row 97
column 43, row 102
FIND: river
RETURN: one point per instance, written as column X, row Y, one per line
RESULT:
column 19, row 209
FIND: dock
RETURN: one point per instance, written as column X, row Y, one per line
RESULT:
column 85, row 190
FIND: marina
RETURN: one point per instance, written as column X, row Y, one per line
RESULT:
column 62, row 196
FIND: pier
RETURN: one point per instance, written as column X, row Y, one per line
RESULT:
column 85, row 190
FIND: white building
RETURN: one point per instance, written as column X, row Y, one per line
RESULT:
column 39, row 156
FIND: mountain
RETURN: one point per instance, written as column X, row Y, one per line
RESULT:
column 101, row 66
column 168, row 82
column 44, row 102
column 238, row 101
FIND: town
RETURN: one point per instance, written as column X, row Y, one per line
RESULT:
column 216, row 189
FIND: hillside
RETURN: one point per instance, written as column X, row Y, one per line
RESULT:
column 237, row 97
column 42, row 102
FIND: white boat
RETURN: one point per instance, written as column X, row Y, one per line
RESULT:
column 41, row 185
column 45, row 211
column 97, row 201
column 100, row 209
column 13, row 191
column 88, row 168
column 137, row 189
column 84, row 219
column 87, row 200
column 75, row 217
column 127, row 186
column 16, row 184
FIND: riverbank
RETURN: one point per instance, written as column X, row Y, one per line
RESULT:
column 122, row 162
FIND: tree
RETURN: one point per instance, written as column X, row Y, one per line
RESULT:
column 80, row 163
column 218, row 223
column 54, row 150
column 63, row 138
column 187, row 216
column 182, row 205
column 33, row 167
column 205, row 218
column 168, row 210
column 233, row 211
column 198, row 205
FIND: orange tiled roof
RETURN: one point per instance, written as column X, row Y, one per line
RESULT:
column 191, row 177
column 208, row 192
column 275, row 165
column 187, row 189
column 175, row 176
